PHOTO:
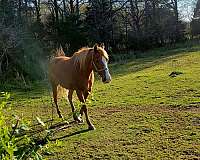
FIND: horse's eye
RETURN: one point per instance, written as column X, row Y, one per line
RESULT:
column 100, row 60
column 98, row 56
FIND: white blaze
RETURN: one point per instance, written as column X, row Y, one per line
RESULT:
column 108, row 76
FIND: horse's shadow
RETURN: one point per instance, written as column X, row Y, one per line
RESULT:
column 36, row 142
column 70, row 135
column 53, row 128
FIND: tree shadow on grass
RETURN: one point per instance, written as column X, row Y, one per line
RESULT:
column 147, row 60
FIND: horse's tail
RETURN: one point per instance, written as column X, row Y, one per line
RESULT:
column 62, row 92
column 59, row 52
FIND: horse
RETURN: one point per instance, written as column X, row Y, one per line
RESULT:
column 76, row 73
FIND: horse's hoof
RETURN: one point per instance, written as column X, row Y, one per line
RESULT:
column 78, row 119
column 91, row 127
column 60, row 116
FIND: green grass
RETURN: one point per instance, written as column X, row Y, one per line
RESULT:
column 153, row 85
column 143, row 114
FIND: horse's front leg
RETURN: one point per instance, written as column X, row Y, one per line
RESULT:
column 84, row 109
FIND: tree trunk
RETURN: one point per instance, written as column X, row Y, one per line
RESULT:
column 1, row 68
column 135, row 16
column 19, row 9
column 64, row 9
column 146, row 10
column 37, row 9
column 26, row 8
column 176, row 10
column 71, row 6
column 77, row 7
column 177, row 32
column 56, row 12
column 111, row 20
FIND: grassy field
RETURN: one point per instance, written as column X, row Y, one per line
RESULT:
column 143, row 114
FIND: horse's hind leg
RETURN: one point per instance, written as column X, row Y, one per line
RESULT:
column 54, row 87
column 76, row 118
column 84, row 110
column 70, row 93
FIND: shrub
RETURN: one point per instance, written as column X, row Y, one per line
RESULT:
column 13, row 147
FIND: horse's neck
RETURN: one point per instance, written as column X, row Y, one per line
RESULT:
column 86, row 69
column 88, row 64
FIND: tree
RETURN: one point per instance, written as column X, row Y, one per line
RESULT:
column 197, row 10
column 99, row 21
column 195, row 24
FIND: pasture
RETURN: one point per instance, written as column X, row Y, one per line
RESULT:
column 142, row 114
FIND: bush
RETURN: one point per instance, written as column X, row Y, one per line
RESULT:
column 7, row 140
column 13, row 147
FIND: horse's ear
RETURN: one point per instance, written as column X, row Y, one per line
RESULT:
column 60, row 48
column 95, row 47
column 102, row 45
column 60, row 52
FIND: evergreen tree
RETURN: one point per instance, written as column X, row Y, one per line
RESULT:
column 98, row 20
column 197, row 10
column 195, row 24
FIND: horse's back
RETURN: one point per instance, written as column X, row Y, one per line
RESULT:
column 56, row 60
column 60, row 69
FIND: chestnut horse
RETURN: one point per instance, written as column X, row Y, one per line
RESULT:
column 76, row 74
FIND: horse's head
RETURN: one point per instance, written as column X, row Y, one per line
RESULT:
column 100, row 63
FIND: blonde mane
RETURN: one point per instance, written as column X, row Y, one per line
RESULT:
column 81, row 55
column 103, row 52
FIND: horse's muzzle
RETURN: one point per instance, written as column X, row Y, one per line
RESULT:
column 106, row 81
column 106, row 78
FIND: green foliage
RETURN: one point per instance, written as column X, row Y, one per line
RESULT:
column 72, row 32
column 32, row 61
column 7, row 14
column 7, row 140
column 195, row 23
column 98, row 21
column 22, row 56
column 14, row 144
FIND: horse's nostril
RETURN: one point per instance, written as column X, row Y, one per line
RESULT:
column 103, row 79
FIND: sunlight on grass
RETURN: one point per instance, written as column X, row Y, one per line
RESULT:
column 153, row 85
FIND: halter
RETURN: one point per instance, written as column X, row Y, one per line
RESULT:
column 95, row 67
column 99, row 70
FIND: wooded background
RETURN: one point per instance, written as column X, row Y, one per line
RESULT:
column 31, row 29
